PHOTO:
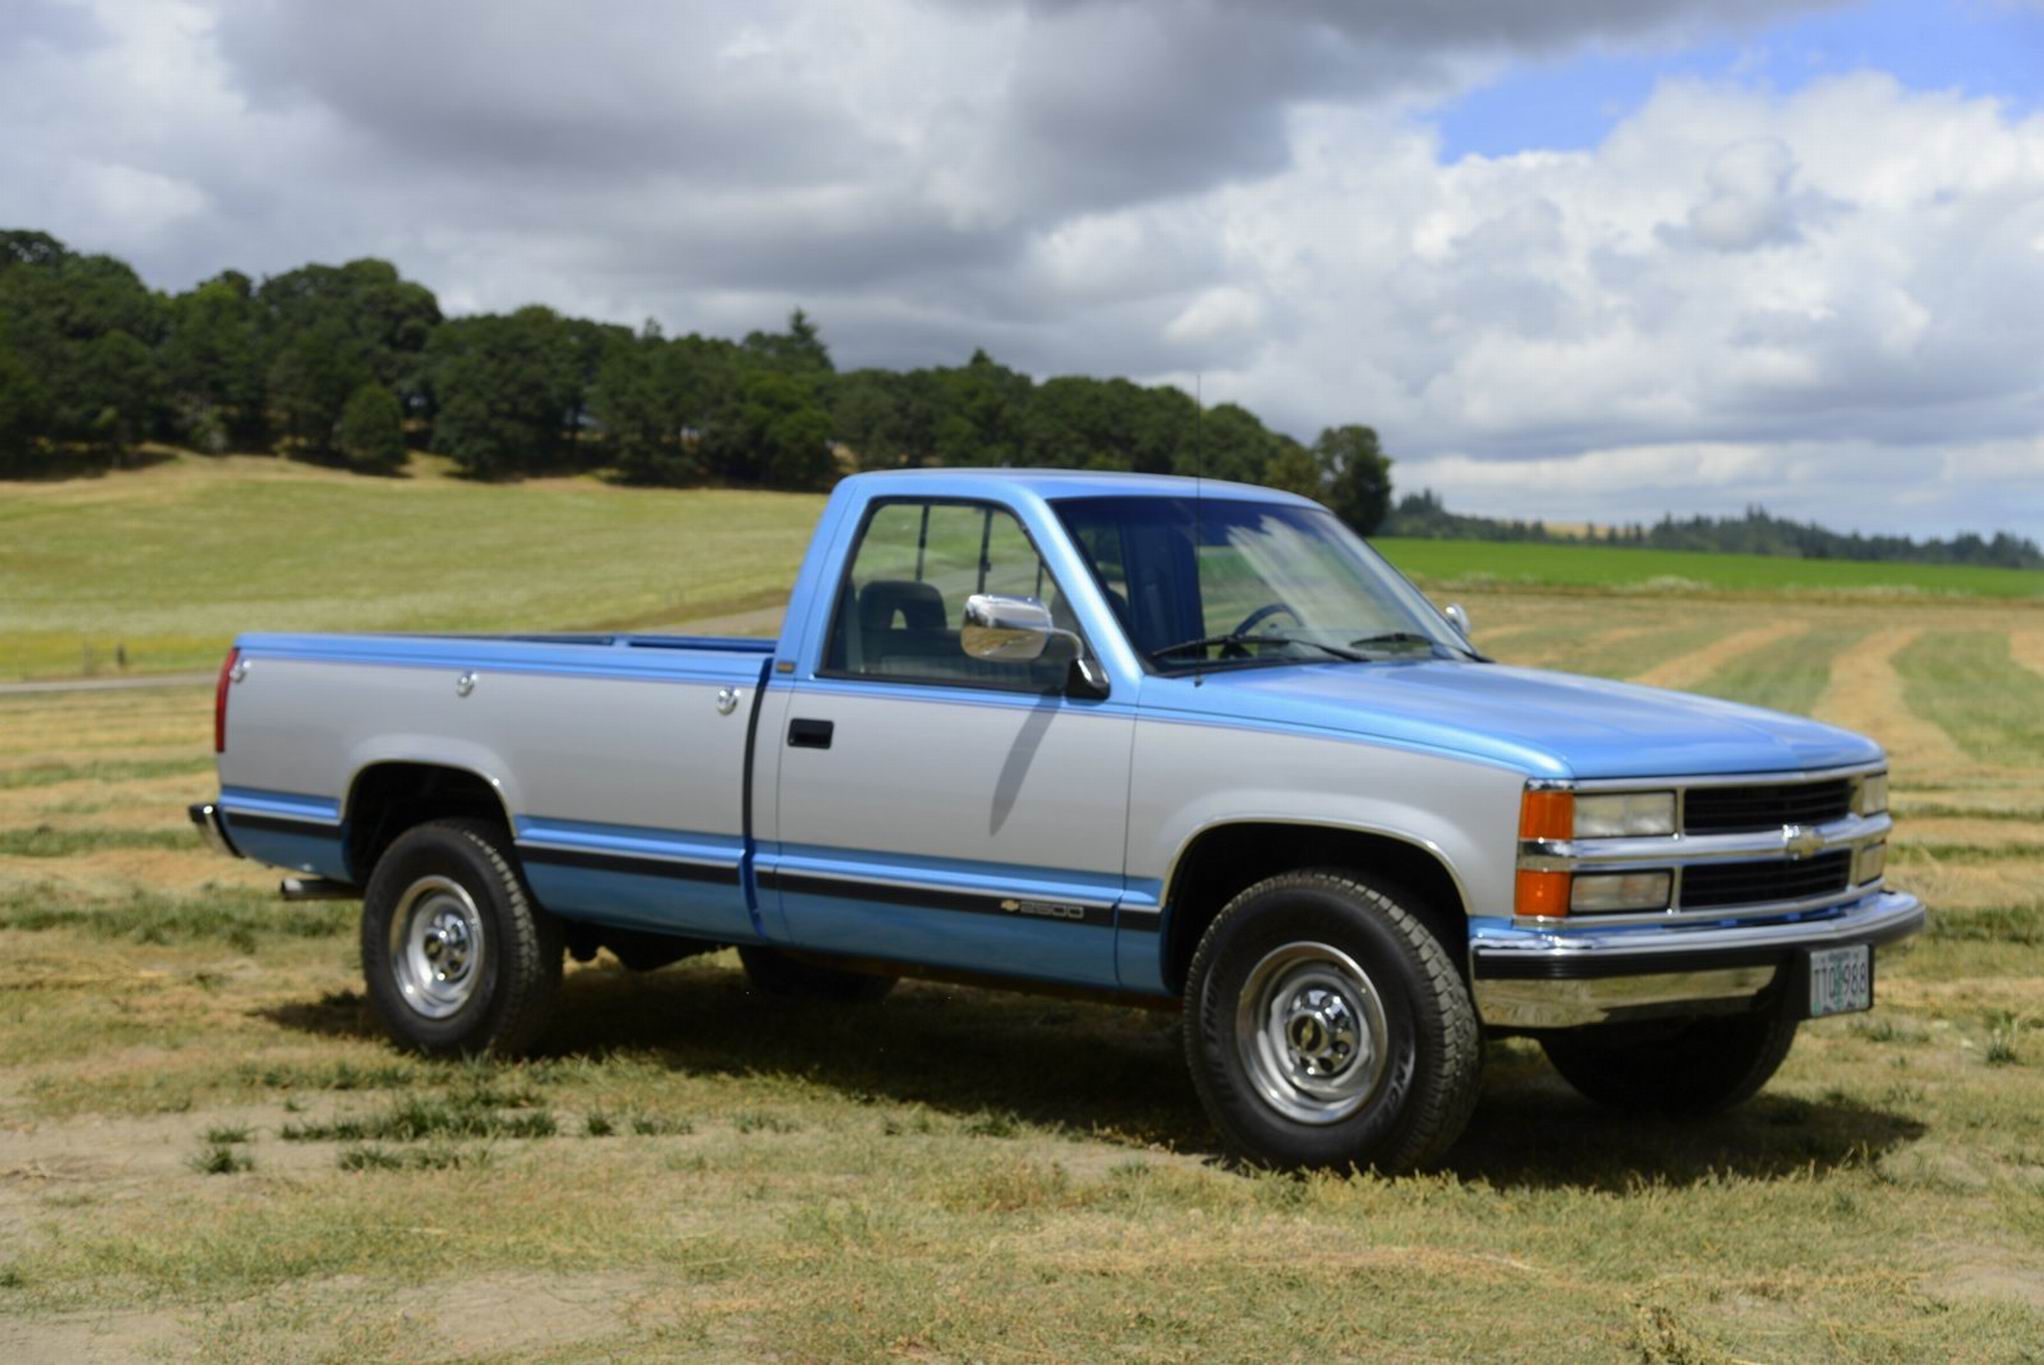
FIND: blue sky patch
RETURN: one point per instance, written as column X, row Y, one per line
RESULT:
column 1979, row 47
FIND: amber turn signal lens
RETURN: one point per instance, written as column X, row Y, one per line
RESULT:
column 1544, row 894
column 1547, row 815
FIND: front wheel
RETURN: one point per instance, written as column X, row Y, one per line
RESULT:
column 457, row 958
column 1326, row 1026
column 1684, row 1069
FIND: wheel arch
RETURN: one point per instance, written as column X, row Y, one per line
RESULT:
column 1223, row 859
column 389, row 796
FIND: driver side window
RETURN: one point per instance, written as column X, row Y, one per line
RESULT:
column 901, row 606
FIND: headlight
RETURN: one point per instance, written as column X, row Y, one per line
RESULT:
column 1873, row 861
column 1608, row 891
column 1607, row 817
column 1873, row 794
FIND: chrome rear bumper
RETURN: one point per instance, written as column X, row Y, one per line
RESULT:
column 1562, row 978
column 206, row 816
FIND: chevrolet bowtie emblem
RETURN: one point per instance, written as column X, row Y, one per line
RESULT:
column 1800, row 841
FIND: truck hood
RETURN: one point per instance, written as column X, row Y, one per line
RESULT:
column 1547, row 724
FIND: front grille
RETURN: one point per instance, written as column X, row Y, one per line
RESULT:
column 1708, row 886
column 1725, row 810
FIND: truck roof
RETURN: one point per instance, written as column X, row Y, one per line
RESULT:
column 1061, row 483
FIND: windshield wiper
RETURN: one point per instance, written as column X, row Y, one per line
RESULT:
column 1405, row 636
column 1408, row 637
column 1259, row 639
column 1393, row 637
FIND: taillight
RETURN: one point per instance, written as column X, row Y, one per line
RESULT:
column 220, row 700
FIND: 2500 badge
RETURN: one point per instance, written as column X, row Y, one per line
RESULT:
column 1045, row 909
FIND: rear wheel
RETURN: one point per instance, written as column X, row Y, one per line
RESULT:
column 777, row 973
column 1682, row 1068
column 457, row 957
column 1326, row 1026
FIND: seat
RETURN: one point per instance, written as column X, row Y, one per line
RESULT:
column 920, row 606
column 898, row 622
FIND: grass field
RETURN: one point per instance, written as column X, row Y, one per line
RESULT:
column 167, row 564
column 172, row 561
column 207, row 1152
column 1607, row 568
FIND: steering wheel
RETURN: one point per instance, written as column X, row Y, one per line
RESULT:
column 1255, row 619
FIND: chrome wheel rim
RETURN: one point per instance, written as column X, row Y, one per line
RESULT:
column 436, row 946
column 1310, row 1026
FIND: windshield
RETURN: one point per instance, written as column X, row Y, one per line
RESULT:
column 1261, row 583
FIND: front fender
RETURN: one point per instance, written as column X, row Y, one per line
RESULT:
column 1191, row 777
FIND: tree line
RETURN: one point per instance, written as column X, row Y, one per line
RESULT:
column 353, row 365
column 1756, row 532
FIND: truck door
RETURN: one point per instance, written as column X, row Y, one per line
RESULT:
column 937, row 808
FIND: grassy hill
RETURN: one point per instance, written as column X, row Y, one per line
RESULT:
column 171, row 561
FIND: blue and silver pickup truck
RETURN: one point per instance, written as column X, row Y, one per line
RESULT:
column 1117, row 736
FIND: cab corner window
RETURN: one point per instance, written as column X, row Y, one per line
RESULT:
column 901, row 609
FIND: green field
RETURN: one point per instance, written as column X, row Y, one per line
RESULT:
column 169, row 563
column 173, row 561
column 208, row 1152
column 1483, row 563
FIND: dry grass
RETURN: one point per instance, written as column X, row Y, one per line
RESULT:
column 1686, row 670
column 957, row 1174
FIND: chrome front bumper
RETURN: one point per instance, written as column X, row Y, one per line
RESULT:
column 206, row 816
column 1543, row 978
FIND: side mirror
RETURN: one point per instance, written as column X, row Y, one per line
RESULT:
column 1457, row 617
column 1009, row 630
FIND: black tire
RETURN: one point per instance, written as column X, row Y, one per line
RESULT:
column 1683, row 1068
column 777, row 973
column 1402, row 1114
column 506, row 986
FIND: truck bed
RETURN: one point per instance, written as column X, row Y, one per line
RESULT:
column 619, row 760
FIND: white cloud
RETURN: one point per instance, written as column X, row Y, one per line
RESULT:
column 1848, row 267
column 1826, row 296
column 1749, row 201
column 1223, row 314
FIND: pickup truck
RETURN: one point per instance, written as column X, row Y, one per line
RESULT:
column 1190, row 745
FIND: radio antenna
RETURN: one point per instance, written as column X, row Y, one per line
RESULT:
column 1199, row 469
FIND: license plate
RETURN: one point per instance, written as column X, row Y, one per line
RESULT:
column 1841, row 980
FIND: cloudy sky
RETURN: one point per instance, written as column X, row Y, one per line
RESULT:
column 1579, row 258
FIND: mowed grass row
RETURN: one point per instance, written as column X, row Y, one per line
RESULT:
column 1788, row 675
column 1968, row 685
column 1965, row 681
column 168, row 563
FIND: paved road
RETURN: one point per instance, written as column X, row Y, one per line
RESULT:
column 15, row 689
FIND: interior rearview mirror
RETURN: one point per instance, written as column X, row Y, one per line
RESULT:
column 1011, row 630
column 1457, row 617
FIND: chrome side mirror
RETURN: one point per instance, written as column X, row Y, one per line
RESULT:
column 1457, row 617
column 1009, row 630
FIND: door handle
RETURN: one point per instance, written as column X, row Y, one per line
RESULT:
column 810, row 734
